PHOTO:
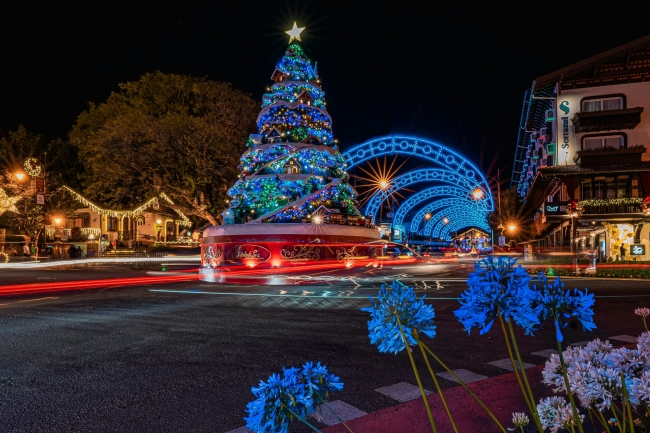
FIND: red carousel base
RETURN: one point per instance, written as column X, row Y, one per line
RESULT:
column 278, row 245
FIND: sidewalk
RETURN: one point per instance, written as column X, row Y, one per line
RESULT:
column 501, row 394
column 49, row 262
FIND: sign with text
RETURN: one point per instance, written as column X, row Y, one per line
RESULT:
column 40, row 185
column 40, row 198
column 637, row 250
column 555, row 208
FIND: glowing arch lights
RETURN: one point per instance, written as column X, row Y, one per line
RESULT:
column 461, row 177
column 432, row 175
column 437, row 198
column 458, row 216
column 417, row 147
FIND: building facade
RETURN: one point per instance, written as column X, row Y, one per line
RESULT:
column 582, row 161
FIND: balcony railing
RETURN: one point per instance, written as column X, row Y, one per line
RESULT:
column 607, row 120
column 629, row 208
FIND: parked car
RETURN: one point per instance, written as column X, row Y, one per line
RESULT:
column 146, row 240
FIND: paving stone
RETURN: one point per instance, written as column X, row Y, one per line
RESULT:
column 464, row 375
column 240, row 430
column 402, row 391
column 626, row 338
column 546, row 353
column 345, row 411
column 580, row 344
column 507, row 365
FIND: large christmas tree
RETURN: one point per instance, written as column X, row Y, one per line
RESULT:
column 293, row 165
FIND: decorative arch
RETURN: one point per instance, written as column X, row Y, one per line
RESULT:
column 459, row 217
column 448, row 167
column 423, row 175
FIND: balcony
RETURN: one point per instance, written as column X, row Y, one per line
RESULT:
column 607, row 120
column 609, row 156
column 612, row 206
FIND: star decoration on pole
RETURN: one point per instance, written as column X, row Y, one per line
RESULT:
column 294, row 33
column 7, row 203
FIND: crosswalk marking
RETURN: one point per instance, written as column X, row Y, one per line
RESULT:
column 546, row 353
column 402, row 391
column 464, row 375
column 506, row 364
column 626, row 338
column 344, row 411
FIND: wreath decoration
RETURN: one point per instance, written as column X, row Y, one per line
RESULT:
column 33, row 167
column 6, row 256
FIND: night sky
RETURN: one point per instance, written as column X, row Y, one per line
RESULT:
column 453, row 74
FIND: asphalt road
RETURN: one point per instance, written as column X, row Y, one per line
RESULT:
column 182, row 357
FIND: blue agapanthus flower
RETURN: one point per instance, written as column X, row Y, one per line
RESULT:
column 557, row 303
column 497, row 287
column 276, row 402
column 319, row 382
column 400, row 301
column 281, row 398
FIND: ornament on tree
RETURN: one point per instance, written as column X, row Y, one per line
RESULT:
column 292, row 165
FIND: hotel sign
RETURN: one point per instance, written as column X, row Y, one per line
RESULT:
column 555, row 208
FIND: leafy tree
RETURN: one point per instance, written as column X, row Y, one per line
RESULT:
column 165, row 133
column 512, row 214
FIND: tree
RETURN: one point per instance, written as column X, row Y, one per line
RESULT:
column 512, row 214
column 293, row 164
column 164, row 133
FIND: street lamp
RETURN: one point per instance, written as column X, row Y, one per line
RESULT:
column 512, row 228
column 20, row 176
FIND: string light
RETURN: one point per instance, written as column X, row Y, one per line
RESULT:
column 7, row 204
column 184, row 221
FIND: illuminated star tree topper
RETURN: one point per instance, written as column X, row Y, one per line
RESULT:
column 294, row 33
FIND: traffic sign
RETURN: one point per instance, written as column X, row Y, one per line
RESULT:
column 40, row 198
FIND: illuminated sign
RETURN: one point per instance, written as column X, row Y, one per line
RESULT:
column 248, row 252
column 637, row 250
column 564, row 106
column 555, row 208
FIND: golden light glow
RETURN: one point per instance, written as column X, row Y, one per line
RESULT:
column 158, row 221
column 427, row 217
column 477, row 194
column 20, row 176
column 380, row 179
column 318, row 219
column 294, row 33
column 57, row 221
column 7, row 203
column 512, row 228
column 445, row 220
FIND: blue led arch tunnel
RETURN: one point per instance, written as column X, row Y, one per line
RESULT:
column 445, row 232
column 454, row 170
column 442, row 196
column 459, row 217
column 431, row 175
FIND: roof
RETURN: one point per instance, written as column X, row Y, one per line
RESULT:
column 626, row 63
column 563, row 170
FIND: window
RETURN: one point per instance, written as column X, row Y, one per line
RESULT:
column 111, row 224
column 602, row 141
column 603, row 104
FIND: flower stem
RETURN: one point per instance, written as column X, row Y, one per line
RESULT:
column 524, row 375
column 417, row 376
column 626, row 401
column 435, row 380
column 530, row 404
column 645, row 324
column 304, row 421
column 566, row 381
column 336, row 415
column 618, row 421
column 457, row 379
column 602, row 420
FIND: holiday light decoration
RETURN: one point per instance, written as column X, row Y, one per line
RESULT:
column 7, row 204
column 33, row 167
column 184, row 221
column 379, row 177
column 4, row 256
column 460, row 178
column 292, row 164
column 294, row 33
